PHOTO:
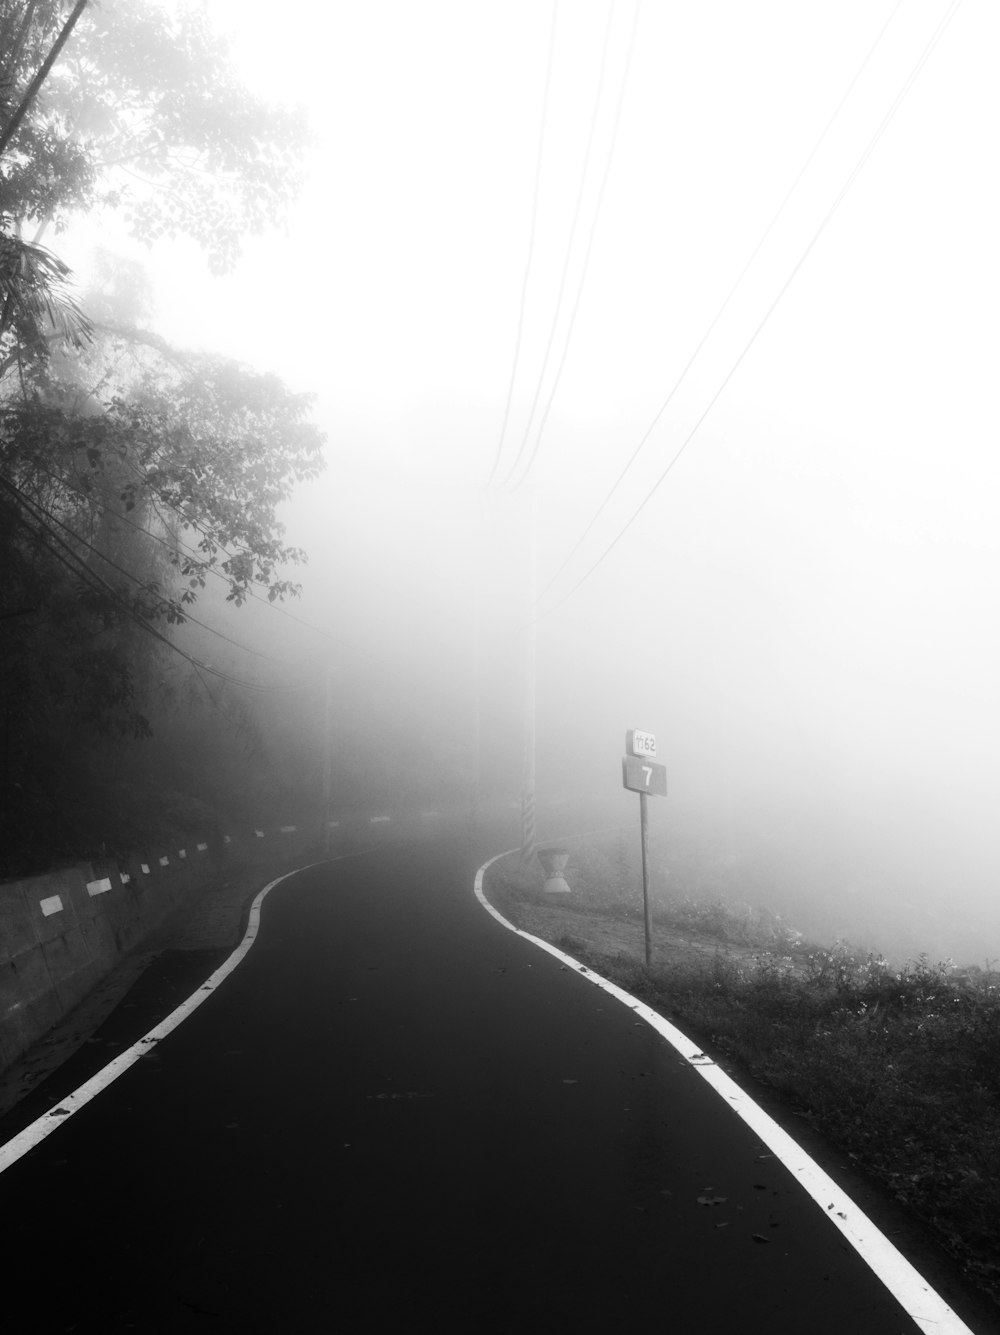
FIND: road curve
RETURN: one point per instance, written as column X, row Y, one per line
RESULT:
column 395, row 1112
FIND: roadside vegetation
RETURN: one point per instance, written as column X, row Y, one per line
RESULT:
column 136, row 479
column 897, row 1066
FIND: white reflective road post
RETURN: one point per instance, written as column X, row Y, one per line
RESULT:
column 642, row 775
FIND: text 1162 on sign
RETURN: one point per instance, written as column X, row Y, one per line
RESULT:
column 640, row 743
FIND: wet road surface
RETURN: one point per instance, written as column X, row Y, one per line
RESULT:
column 396, row 1114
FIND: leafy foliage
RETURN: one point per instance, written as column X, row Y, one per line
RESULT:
column 143, row 114
column 202, row 449
column 37, row 307
column 127, row 476
column 129, row 472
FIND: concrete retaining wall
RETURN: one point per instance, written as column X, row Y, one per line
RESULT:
column 62, row 932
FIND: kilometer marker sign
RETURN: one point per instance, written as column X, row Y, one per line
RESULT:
column 641, row 774
column 644, row 776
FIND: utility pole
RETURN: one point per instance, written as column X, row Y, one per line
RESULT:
column 327, row 756
column 530, row 669
column 475, row 799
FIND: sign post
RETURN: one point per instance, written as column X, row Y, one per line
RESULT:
column 641, row 774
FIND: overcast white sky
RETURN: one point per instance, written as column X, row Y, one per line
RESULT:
column 395, row 294
column 817, row 579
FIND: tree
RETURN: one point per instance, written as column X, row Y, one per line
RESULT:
column 128, row 476
column 129, row 472
column 37, row 305
column 192, row 451
column 142, row 114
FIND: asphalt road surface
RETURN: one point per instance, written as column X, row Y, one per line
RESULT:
column 395, row 1115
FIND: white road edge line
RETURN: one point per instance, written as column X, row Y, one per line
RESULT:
column 922, row 1304
column 18, row 1146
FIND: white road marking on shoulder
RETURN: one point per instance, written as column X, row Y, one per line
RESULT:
column 17, row 1147
column 922, row 1304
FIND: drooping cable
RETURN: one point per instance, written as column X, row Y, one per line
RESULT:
column 184, row 615
column 856, row 171
column 590, row 245
column 531, row 242
column 574, row 224
column 176, row 544
column 727, row 300
column 64, row 552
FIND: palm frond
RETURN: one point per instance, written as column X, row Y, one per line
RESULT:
column 37, row 305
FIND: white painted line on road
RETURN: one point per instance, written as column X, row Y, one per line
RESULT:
column 53, row 904
column 17, row 1147
column 923, row 1305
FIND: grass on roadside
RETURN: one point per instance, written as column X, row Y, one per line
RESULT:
column 899, row 1067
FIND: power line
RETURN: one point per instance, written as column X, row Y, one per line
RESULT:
column 904, row 89
column 726, row 302
column 577, row 210
column 131, row 337
column 79, row 567
column 176, row 543
column 590, row 243
column 188, row 522
column 170, row 544
column 186, row 616
column 251, row 593
column 531, row 241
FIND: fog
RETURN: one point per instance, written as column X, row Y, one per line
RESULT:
column 804, row 609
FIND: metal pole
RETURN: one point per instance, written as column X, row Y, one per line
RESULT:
column 646, row 906
column 327, row 759
column 477, row 677
column 531, row 632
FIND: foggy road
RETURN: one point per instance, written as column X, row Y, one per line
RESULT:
column 394, row 1113
column 656, row 398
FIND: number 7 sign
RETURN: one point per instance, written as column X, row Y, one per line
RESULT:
column 644, row 776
